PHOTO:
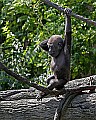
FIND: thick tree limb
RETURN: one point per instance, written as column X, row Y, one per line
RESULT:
column 14, row 92
column 25, row 107
column 51, row 4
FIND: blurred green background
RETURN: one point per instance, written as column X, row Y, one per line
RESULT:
column 24, row 24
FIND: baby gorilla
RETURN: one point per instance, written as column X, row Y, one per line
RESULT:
column 56, row 48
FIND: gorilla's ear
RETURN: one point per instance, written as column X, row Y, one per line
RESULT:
column 44, row 45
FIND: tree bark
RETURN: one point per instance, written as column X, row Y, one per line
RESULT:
column 28, row 109
column 23, row 105
column 83, row 107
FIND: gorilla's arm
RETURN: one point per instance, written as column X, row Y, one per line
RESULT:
column 44, row 45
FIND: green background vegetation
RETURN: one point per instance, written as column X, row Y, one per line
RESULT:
column 25, row 23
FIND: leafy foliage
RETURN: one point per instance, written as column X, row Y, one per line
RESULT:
column 23, row 24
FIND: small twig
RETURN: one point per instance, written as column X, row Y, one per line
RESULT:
column 51, row 4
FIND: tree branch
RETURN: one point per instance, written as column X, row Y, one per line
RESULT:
column 51, row 4
column 75, row 89
column 23, row 79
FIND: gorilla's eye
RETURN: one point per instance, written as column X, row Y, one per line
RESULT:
column 50, row 45
column 60, row 44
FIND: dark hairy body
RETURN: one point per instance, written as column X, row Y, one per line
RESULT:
column 59, row 50
column 58, row 62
